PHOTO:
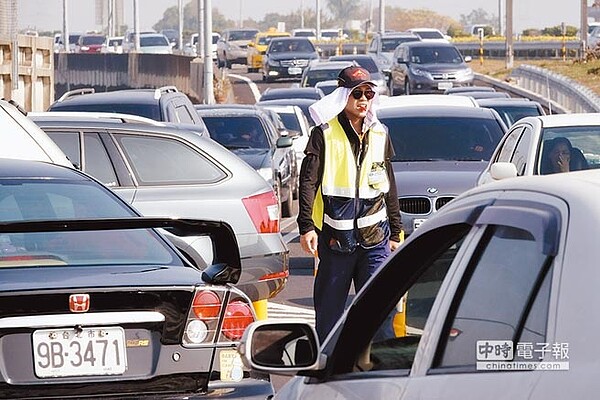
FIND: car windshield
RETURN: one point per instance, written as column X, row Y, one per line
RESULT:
column 301, row 46
column 318, row 75
column 430, row 35
column 242, row 35
column 432, row 138
column 115, row 42
column 40, row 199
column 147, row 41
column 237, row 132
column 512, row 114
column 91, row 40
column 388, row 45
column 290, row 121
column 435, row 55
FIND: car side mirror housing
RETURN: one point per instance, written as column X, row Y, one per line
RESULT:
column 503, row 170
column 284, row 141
column 285, row 348
column 468, row 59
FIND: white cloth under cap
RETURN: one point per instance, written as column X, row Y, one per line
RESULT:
column 327, row 108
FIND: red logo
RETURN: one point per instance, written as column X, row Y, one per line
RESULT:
column 358, row 73
column 79, row 303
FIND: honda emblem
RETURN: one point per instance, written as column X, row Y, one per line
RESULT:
column 79, row 303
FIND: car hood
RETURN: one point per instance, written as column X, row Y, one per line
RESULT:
column 292, row 56
column 256, row 158
column 26, row 279
column 440, row 67
column 447, row 177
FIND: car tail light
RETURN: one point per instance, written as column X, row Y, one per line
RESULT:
column 275, row 275
column 264, row 211
column 238, row 316
column 206, row 305
column 203, row 319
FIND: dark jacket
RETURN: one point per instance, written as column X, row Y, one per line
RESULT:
column 312, row 171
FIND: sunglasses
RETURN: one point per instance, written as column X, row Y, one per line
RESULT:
column 358, row 94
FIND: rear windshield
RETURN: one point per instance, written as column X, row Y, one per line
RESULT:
column 237, row 132
column 443, row 138
column 90, row 40
column 242, row 35
column 147, row 41
column 313, row 76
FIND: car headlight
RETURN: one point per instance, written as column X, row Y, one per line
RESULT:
column 466, row 73
column 274, row 63
column 267, row 174
column 421, row 72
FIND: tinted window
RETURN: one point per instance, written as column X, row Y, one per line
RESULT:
column 510, row 115
column 88, row 40
column 443, row 138
column 97, row 162
column 291, row 122
column 435, row 55
column 584, row 139
column 519, row 158
column 497, row 290
column 146, row 41
column 509, row 144
column 164, row 161
column 69, row 144
column 242, row 35
column 237, row 132
column 313, row 76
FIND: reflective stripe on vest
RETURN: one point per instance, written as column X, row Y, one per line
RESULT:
column 348, row 224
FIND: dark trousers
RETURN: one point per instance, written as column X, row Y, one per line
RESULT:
column 336, row 271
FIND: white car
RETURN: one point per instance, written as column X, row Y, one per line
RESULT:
column 499, row 295
column 113, row 44
column 524, row 149
column 430, row 35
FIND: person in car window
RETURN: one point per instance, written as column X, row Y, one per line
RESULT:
column 559, row 155
column 349, row 212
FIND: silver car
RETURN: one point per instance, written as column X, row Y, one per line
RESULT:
column 165, row 171
column 499, row 292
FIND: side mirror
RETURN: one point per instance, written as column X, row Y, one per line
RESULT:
column 284, row 141
column 468, row 59
column 503, row 170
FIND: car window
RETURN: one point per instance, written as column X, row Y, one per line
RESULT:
column 291, row 122
column 494, row 301
column 97, row 161
column 69, row 144
column 314, row 76
column 443, row 138
column 521, row 153
column 147, row 41
column 390, row 44
column 165, row 161
column 585, row 141
column 509, row 144
column 237, row 132
column 435, row 55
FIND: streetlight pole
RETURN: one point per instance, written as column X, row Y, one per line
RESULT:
column 302, row 14
column 584, row 28
column 381, row 16
column 136, row 26
column 209, row 95
column 180, row 36
column 318, row 20
column 65, row 33
column 500, row 17
column 509, row 34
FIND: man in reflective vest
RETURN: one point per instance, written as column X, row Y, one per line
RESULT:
column 349, row 210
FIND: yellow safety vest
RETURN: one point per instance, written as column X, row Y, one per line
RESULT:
column 351, row 193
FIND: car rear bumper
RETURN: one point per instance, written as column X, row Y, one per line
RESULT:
column 284, row 72
column 424, row 86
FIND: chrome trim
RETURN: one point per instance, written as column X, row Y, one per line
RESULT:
column 62, row 320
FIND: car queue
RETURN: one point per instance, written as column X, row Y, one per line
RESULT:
column 219, row 268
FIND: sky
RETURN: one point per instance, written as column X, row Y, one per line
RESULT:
column 47, row 14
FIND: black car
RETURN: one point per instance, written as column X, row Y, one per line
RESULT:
column 511, row 110
column 292, row 93
column 96, row 302
column 165, row 104
column 249, row 133
column 287, row 57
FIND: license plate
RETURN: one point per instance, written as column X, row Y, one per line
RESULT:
column 70, row 352
column 444, row 85
column 294, row 71
column 231, row 366
column 418, row 221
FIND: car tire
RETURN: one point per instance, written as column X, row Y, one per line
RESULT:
column 287, row 207
column 406, row 87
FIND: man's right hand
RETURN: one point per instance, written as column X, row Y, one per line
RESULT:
column 308, row 241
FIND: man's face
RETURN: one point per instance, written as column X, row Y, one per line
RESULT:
column 357, row 108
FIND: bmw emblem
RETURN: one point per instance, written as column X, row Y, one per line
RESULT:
column 432, row 190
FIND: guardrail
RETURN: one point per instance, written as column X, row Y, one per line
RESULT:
column 563, row 91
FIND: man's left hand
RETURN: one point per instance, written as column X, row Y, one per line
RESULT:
column 394, row 245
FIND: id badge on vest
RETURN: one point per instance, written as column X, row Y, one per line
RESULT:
column 377, row 175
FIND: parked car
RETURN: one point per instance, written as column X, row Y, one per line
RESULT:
column 24, row 140
column 232, row 47
column 525, row 146
column 382, row 47
column 165, row 104
column 112, row 44
column 513, row 109
column 90, row 43
column 300, row 102
column 367, row 62
column 287, row 58
column 439, row 153
column 96, row 301
column 501, row 295
column 164, row 171
column 155, row 43
column 292, row 93
column 258, row 46
column 428, row 67
column 321, row 71
column 251, row 135
column 430, row 35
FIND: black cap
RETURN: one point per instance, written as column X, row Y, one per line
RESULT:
column 351, row 77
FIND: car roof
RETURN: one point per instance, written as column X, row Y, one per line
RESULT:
column 425, row 43
column 561, row 120
column 14, row 168
column 126, row 96
column 437, row 111
column 427, row 100
column 109, row 117
column 510, row 101
column 328, row 65
column 482, row 95
column 397, row 34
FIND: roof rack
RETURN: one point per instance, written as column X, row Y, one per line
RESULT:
column 164, row 89
column 75, row 92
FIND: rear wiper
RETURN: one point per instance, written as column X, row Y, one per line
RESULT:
column 237, row 147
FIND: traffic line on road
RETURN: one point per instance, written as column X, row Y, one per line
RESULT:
column 281, row 311
column 252, row 85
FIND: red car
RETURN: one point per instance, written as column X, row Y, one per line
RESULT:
column 90, row 44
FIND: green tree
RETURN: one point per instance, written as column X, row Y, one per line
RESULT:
column 342, row 9
column 478, row 16
column 557, row 30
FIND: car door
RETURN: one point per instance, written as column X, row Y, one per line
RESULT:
column 447, row 281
